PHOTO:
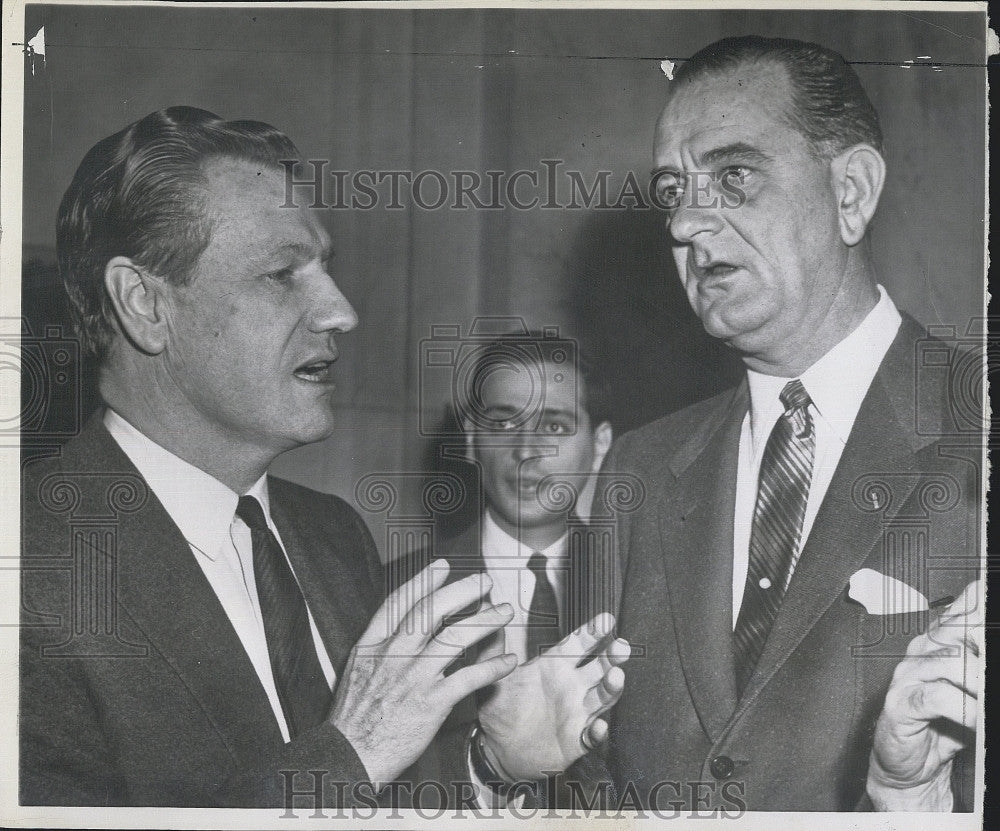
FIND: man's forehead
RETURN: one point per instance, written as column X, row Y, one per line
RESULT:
column 249, row 200
column 514, row 385
column 721, row 104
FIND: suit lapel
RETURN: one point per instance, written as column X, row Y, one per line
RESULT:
column 328, row 571
column 591, row 583
column 163, row 592
column 696, row 528
column 464, row 553
column 847, row 528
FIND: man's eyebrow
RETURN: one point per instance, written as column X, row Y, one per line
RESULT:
column 663, row 170
column 547, row 412
column 303, row 250
column 737, row 152
column 557, row 412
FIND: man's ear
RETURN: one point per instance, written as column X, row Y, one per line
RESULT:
column 603, row 437
column 858, row 176
column 468, row 429
column 136, row 297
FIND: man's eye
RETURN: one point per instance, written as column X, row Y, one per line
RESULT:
column 669, row 194
column 670, row 197
column 557, row 428
column 736, row 173
column 282, row 275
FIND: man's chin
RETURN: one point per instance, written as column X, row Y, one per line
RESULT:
column 737, row 327
column 311, row 433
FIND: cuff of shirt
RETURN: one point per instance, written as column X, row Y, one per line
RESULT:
column 487, row 798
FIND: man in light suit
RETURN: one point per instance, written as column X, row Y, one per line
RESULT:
column 194, row 632
column 800, row 529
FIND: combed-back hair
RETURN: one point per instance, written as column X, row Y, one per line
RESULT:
column 830, row 108
column 536, row 346
column 140, row 194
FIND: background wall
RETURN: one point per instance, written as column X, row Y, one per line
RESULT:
column 483, row 90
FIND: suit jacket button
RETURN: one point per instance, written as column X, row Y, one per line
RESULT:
column 722, row 767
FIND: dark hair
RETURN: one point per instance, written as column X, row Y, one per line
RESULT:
column 830, row 108
column 543, row 346
column 139, row 194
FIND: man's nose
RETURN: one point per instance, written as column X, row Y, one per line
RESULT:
column 528, row 448
column 696, row 214
column 332, row 311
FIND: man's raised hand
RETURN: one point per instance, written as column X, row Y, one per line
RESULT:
column 393, row 695
column 537, row 717
column 929, row 710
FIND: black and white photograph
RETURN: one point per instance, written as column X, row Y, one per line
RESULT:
column 494, row 414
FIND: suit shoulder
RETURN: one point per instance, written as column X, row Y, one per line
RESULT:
column 36, row 471
column 661, row 437
column 413, row 560
column 315, row 509
column 302, row 497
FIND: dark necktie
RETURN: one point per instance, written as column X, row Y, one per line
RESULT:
column 302, row 688
column 782, row 492
column 543, row 614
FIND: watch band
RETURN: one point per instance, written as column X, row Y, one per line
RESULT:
column 485, row 772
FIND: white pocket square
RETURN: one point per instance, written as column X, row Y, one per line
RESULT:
column 881, row 594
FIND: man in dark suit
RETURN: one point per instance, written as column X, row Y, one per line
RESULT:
column 801, row 529
column 533, row 413
column 195, row 633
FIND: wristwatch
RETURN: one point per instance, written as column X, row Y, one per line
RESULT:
column 484, row 770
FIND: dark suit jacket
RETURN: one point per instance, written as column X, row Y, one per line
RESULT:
column 904, row 501
column 135, row 688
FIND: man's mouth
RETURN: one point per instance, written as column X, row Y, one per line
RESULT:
column 712, row 269
column 528, row 484
column 316, row 372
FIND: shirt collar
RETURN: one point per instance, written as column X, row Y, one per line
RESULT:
column 837, row 383
column 200, row 505
column 498, row 544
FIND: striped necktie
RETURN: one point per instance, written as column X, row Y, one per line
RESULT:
column 782, row 493
column 298, row 675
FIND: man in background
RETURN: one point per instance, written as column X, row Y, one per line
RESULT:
column 788, row 551
column 534, row 415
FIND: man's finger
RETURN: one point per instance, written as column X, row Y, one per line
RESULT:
column 968, row 604
column 453, row 639
column 616, row 654
column 399, row 602
column 597, row 732
column 961, row 622
column 927, row 701
column 955, row 670
column 428, row 613
column 581, row 641
column 606, row 692
column 958, row 632
column 471, row 678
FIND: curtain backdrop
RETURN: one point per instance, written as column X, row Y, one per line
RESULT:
column 503, row 91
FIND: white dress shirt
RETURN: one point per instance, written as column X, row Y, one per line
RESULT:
column 205, row 512
column 506, row 561
column 837, row 384
column 507, row 565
